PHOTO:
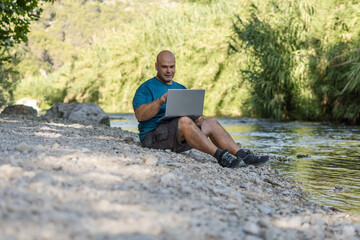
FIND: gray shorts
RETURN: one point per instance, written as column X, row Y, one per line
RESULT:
column 165, row 136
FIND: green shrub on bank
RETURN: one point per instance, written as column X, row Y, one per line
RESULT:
column 335, row 64
column 301, row 56
column 8, row 79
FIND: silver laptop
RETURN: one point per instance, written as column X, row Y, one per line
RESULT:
column 184, row 102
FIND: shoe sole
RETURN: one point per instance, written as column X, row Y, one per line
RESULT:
column 260, row 163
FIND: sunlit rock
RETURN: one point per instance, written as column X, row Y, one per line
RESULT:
column 338, row 188
column 151, row 160
column 79, row 112
column 23, row 147
column 19, row 110
column 9, row 172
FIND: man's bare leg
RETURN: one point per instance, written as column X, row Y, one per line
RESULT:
column 219, row 136
column 220, row 142
column 194, row 136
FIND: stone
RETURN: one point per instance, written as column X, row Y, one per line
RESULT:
column 251, row 228
column 9, row 172
column 244, row 185
column 269, row 233
column 151, row 160
column 186, row 189
column 174, row 164
column 19, row 110
column 305, row 226
column 257, row 181
column 338, row 188
column 168, row 179
column 44, row 178
column 79, row 112
column 348, row 231
column 23, row 147
column 236, row 196
column 218, row 182
column 265, row 209
column 263, row 223
column 222, row 191
column 57, row 168
column 249, row 237
column 128, row 140
column 294, row 222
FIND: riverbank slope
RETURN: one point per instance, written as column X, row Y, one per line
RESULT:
column 62, row 180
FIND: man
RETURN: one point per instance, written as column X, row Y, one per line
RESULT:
column 182, row 134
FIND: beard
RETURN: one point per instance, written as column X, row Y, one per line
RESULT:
column 165, row 78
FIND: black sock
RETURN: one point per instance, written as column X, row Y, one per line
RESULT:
column 241, row 154
column 218, row 154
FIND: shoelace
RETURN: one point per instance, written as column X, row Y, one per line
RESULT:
column 250, row 153
column 228, row 157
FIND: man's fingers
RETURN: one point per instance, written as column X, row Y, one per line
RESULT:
column 199, row 121
column 163, row 98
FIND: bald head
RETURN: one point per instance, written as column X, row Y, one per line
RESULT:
column 165, row 66
column 164, row 54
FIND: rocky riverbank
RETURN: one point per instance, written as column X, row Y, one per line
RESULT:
column 65, row 180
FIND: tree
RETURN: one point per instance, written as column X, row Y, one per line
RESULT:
column 15, row 20
column 15, row 16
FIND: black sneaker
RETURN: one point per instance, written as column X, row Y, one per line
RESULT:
column 252, row 159
column 227, row 160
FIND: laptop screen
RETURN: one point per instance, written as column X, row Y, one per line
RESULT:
column 185, row 102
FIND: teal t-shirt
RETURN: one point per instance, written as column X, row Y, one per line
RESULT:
column 149, row 91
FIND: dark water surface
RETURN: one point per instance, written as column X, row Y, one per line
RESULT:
column 334, row 150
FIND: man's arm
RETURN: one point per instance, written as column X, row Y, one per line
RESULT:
column 147, row 111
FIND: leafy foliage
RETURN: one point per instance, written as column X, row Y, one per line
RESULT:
column 15, row 20
column 8, row 79
column 15, row 23
column 109, row 67
column 297, row 59
column 298, row 66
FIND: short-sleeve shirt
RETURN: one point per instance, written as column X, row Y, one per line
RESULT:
column 149, row 91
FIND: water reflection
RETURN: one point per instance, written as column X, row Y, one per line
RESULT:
column 334, row 150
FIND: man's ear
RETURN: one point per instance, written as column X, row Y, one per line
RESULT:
column 156, row 66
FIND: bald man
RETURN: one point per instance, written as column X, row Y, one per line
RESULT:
column 182, row 134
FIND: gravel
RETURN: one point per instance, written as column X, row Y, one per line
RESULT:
column 66, row 180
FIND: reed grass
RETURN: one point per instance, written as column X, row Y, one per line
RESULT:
column 302, row 59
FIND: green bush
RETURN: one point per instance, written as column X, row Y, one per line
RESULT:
column 8, row 80
column 300, row 58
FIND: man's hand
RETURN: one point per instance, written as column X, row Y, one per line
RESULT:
column 147, row 111
column 199, row 121
column 163, row 99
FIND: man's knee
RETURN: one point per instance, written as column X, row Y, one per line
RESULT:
column 185, row 122
column 211, row 121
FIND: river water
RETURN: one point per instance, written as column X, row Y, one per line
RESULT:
column 332, row 172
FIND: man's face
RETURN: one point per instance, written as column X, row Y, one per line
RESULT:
column 165, row 67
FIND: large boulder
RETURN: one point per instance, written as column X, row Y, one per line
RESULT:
column 19, row 110
column 85, row 112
